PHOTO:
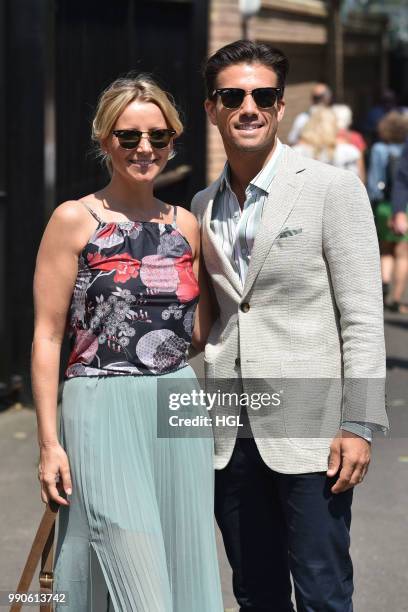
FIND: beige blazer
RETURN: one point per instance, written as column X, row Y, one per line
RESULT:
column 308, row 323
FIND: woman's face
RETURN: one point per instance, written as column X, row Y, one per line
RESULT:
column 143, row 162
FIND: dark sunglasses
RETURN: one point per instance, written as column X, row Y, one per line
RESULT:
column 264, row 97
column 129, row 139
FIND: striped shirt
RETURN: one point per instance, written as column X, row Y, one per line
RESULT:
column 237, row 228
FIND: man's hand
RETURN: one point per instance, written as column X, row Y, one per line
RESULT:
column 351, row 455
column 400, row 223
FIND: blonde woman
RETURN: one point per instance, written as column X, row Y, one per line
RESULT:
column 136, row 518
column 319, row 140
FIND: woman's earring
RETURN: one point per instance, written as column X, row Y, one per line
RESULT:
column 172, row 154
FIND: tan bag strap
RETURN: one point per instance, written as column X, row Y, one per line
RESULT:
column 42, row 547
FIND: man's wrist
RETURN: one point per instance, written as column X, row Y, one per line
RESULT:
column 359, row 429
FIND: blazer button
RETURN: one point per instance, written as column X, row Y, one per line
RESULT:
column 245, row 307
column 237, row 361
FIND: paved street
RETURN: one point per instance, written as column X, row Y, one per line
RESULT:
column 380, row 524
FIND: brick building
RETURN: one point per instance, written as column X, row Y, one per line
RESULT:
column 351, row 58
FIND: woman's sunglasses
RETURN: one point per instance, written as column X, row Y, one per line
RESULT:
column 264, row 97
column 129, row 139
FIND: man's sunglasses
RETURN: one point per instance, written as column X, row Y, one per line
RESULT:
column 264, row 97
column 129, row 139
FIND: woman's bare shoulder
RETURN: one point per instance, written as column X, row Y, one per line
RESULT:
column 71, row 224
column 188, row 225
column 187, row 218
column 69, row 212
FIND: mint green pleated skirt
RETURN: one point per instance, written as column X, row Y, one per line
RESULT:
column 138, row 535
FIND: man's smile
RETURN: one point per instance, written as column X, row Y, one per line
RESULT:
column 248, row 127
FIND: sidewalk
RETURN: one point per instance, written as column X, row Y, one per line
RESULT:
column 380, row 522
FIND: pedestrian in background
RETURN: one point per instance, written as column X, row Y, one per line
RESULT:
column 321, row 96
column 344, row 117
column 382, row 171
column 116, row 263
column 387, row 103
column 399, row 194
column 319, row 140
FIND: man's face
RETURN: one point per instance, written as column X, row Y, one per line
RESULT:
column 247, row 128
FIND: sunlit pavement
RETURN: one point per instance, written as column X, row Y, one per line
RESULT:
column 380, row 509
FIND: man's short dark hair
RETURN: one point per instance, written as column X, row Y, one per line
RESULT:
column 245, row 52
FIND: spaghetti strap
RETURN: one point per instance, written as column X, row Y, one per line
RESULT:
column 92, row 212
column 174, row 222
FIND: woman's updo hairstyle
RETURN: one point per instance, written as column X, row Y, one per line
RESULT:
column 115, row 98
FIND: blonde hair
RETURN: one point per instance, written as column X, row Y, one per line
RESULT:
column 393, row 128
column 344, row 116
column 115, row 98
column 320, row 132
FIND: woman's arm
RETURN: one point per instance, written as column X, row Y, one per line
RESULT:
column 54, row 279
column 361, row 168
column 206, row 310
column 205, row 313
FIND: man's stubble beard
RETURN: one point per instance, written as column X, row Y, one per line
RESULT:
column 233, row 145
column 253, row 149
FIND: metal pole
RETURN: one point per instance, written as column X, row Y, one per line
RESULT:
column 336, row 53
column 245, row 27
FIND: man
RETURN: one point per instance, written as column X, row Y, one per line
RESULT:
column 321, row 95
column 400, row 194
column 387, row 103
column 291, row 250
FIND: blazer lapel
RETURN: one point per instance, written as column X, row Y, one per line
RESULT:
column 286, row 188
column 212, row 245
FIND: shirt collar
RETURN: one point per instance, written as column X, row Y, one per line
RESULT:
column 263, row 179
column 224, row 182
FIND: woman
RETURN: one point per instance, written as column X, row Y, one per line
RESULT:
column 319, row 139
column 384, row 157
column 344, row 118
column 136, row 519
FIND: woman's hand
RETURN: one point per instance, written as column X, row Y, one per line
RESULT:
column 66, row 234
column 54, row 474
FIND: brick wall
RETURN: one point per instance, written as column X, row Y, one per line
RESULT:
column 287, row 30
column 224, row 27
column 299, row 29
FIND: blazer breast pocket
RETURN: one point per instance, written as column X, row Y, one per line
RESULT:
column 291, row 242
column 290, row 233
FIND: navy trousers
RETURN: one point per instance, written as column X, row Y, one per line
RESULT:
column 275, row 524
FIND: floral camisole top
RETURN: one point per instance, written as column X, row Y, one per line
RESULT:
column 132, row 309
